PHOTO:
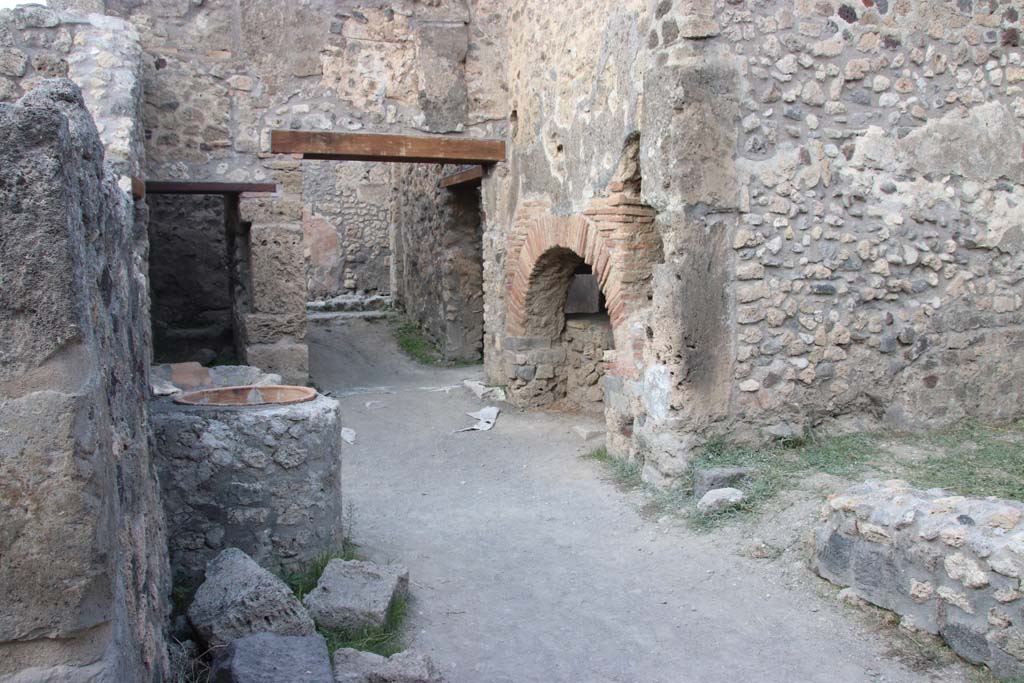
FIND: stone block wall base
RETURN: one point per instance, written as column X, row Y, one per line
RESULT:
column 288, row 359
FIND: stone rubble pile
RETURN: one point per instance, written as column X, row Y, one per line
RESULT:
column 259, row 632
column 949, row 565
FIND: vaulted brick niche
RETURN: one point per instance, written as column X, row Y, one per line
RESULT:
column 616, row 238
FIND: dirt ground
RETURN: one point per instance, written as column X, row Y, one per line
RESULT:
column 528, row 564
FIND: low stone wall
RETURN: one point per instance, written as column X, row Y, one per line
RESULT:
column 949, row 565
column 265, row 479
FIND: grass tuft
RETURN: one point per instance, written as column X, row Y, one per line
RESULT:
column 415, row 343
column 384, row 641
column 303, row 581
column 625, row 473
column 972, row 459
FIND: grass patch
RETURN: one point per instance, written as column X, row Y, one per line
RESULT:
column 303, row 581
column 972, row 459
column 415, row 343
column 624, row 473
column 783, row 465
column 384, row 641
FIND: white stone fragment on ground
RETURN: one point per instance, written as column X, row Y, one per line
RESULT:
column 718, row 500
column 355, row 666
column 485, row 420
column 352, row 595
column 588, row 433
column 240, row 598
column 484, row 392
column 348, row 435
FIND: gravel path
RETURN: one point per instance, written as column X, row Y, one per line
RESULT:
column 528, row 565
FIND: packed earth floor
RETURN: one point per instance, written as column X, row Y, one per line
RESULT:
column 528, row 564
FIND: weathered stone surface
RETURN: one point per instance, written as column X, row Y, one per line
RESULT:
column 354, row 666
column 709, row 478
column 718, row 500
column 352, row 595
column 239, row 598
column 438, row 269
column 83, row 570
column 265, row 479
column 271, row 658
column 932, row 558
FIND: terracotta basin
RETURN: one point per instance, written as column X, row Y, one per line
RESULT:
column 250, row 395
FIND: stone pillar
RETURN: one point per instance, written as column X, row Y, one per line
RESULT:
column 271, row 281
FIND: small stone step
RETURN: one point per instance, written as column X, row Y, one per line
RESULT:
column 353, row 595
column 270, row 658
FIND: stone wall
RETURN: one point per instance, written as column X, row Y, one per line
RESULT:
column 438, row 264
column 586, row 339
column 83, row 563
column 190, row 280
column 346, row 224
column 949, row 565
column 220, row 76
column 836, row 191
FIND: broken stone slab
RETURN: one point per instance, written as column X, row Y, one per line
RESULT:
column 271, row 658
column 240, row 598
column 712, row 478
column 352, row 595
column 171, row 378
column 355, row 666
column 719, row 500
column 484, row 392
column 588, row 433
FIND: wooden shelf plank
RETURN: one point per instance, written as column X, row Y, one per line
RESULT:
column 389, row 148
column 179, row 187
column 471, row 176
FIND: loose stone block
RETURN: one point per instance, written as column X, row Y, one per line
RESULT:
column 719, row 500
column 239, row 598
column 354, row 666
column 353, row 595
column 710, row 478
column 270, row 658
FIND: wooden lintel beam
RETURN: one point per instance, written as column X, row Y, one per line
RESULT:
column 178, row 187
column 471, row 176
column 388, row 148
column 138, row 188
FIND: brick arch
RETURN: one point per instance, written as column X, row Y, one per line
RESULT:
column 545, row 241
column 615, row 236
